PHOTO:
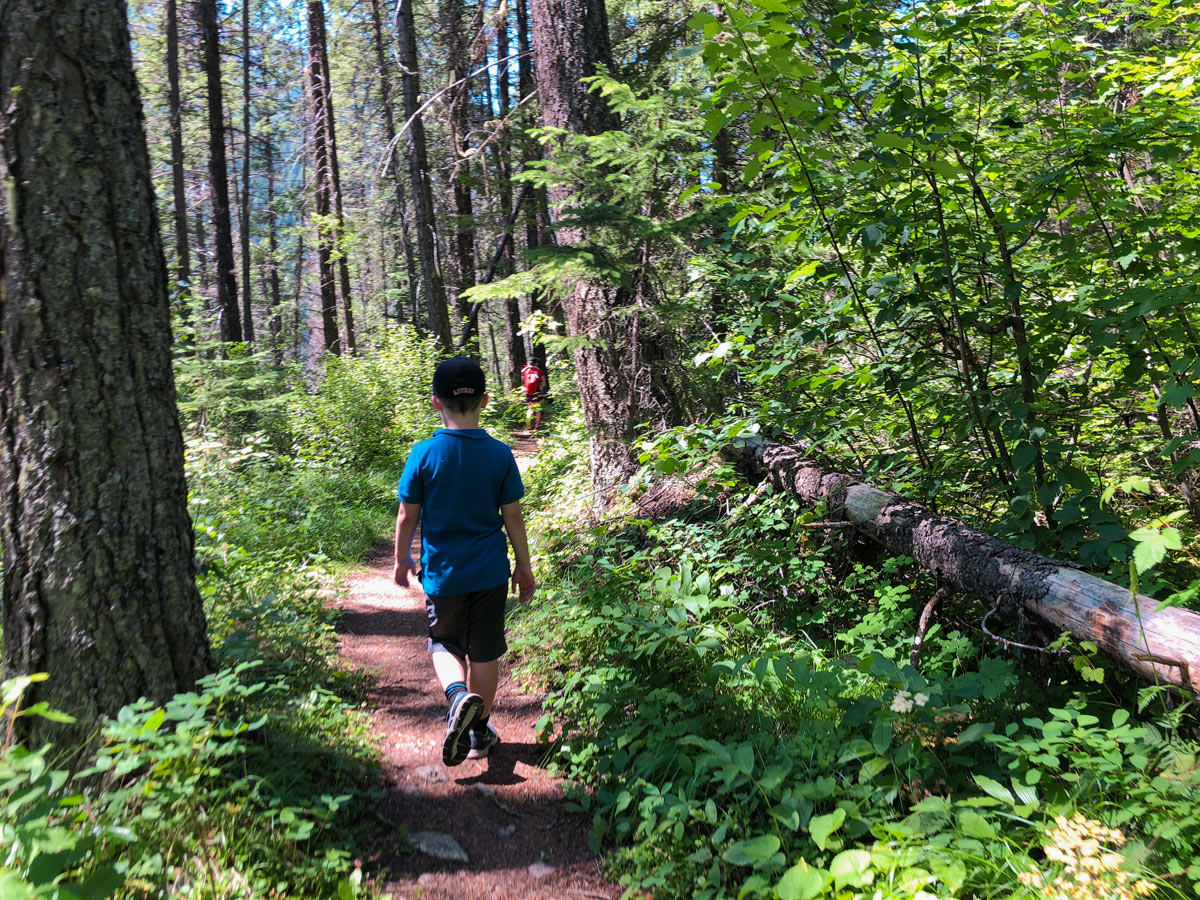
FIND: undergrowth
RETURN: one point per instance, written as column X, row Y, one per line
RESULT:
column 259, row 782
column 733, row 703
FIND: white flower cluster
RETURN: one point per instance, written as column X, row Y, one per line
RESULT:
column 904, row 702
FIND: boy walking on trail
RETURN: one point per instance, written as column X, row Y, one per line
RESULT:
column 463, row 486
column 533, row 380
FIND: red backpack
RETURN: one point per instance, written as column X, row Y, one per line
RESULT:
column 532, row 377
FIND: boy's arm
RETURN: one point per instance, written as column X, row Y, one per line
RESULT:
column 514, row 524
column 406, row 527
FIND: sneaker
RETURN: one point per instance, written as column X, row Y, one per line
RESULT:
column 482, row 742
column 465, row 709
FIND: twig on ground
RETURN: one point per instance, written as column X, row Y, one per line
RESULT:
column 923, row 624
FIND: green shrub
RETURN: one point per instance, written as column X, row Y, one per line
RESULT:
column 367, row 410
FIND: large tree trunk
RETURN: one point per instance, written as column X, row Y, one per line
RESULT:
column 619, row 362
column 1158, row 644
column 322, row 177
column 229, row 319
column 418, row 167
column 99, row 575
column 183, row 268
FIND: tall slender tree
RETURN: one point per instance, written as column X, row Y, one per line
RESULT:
column 247, row 152
column 228, row 316
column 418, row 167
column 514, row 342
column 451, row 13
column 386, row 99
column 183, row 267
column 342, row 263
column 318, row 85
column 99, row 574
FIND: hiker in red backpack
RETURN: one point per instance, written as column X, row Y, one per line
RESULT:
column 533, row 380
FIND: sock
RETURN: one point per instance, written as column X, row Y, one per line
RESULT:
column 453, row 690
column 480, row 726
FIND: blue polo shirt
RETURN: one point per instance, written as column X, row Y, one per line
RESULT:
column 461, row 478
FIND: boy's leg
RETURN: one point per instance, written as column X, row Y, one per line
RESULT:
column 485, row 647
column 484, row 677
column 448, row 632
column 449, row 668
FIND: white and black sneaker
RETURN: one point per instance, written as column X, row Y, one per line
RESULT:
column 465, row 708
column 483, row 741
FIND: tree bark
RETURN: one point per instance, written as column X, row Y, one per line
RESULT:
column 335, row 183
column 99, row 574
column 513, row 340
column 244, row 217
column 322, row 177
column 451, row 15
column 418, row 167
column 621, row 355
column 228, row 318
column 275, row 322
column 1158, row 644
column 183, row 267
column 389, row 132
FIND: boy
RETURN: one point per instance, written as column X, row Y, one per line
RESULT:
column 464, row 486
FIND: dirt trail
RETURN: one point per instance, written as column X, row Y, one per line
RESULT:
column 504, row 812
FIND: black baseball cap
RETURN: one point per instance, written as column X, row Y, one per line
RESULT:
column 458, row 377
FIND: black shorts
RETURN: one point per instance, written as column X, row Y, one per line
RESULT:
column 533, row 398
column 471, row 626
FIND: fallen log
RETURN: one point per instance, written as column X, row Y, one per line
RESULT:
column 1159, row 644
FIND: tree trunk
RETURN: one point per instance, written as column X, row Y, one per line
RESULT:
column 389, row 132
column 451, row 15
column 244, row 218
column 275, row 322
column 620, row 360
column 228, row 317
column 1158, row 644
column 418, row 167
column 537, row 212
column 335, row 185
column 513, row 340
column 183, row 267
column 99, row 574
column 322, row 177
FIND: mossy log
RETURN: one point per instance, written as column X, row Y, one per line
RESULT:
column 1159, row 644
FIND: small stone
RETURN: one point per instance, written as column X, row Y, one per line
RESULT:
column 539, row 871
column 428, row 880
column 507, row 831
column 431, row 774
column 439, row 846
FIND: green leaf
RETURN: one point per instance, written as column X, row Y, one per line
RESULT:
column 1024, row 455
column 102, row 883
column 801, row 882
column 821, row 827
column 1177, row 395
column 1151, row 546
column 972, row 733
column 995, row 789
column 852, row 867
column 972, row 824
column 755, row 850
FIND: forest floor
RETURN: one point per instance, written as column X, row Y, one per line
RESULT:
column 504, row 813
